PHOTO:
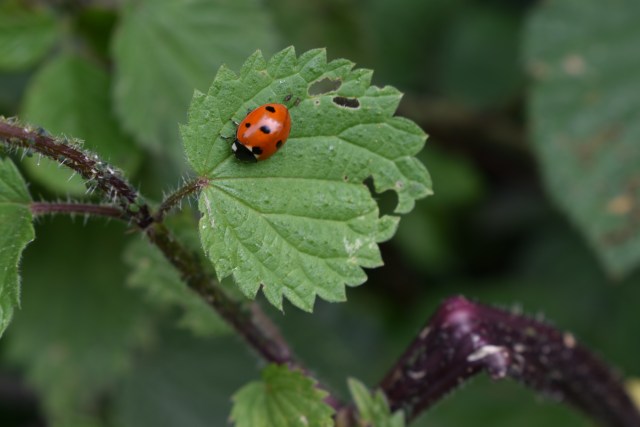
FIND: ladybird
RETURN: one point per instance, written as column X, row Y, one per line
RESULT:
column 262, row 133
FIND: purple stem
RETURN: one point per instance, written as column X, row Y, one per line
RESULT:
column 47, row 208
column 102, row 175
column 464, row 338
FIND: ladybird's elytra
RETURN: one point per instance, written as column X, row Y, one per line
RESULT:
column 262, row 132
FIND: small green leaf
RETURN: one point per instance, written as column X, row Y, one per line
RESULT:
column 16, row 231
column 283, row 398
column 26, row 34
column 79, row 89
column 164, row 49
column 373, row 409
column 164, row 287
column 584, row 116
column 302, row 223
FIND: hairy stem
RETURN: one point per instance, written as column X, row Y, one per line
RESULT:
column 46, row 208
column 253, row 325
column 247, row 319
column 95, row 171
column 464, row 338
column 176, row 197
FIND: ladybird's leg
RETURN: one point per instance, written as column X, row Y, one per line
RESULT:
column 232, row 136
column 289, row 97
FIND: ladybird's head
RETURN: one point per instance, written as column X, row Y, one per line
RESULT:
column 243, row 153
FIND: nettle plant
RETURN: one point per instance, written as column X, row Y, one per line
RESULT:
column 300, row 225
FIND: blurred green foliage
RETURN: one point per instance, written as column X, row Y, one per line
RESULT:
column 95, row 351
column 584, row 117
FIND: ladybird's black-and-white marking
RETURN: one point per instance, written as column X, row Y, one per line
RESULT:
column 243, row 152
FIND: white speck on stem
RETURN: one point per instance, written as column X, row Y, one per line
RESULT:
column 416, row 375
column 424, row 333
column 484, row 351
column 569, row 340
column 520, row 348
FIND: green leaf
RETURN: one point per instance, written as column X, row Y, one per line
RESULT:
column 79, row 90
column 373, row 409
column 164, row 49
column 584, row 116
column 26, row 35
column 164, row 287
column 16, row 231
column 79, row 324
column 283, row 398
column 302, row 223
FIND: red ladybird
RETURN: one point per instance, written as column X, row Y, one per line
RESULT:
column 262, row 133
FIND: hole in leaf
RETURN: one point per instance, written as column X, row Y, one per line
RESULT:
column 387, row 200
column 346, row 102
column 323, row 86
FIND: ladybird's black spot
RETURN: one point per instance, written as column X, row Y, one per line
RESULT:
column 243, row 153
column 247, row 125
column 265, row 129
column 279, row 144
column 270, row 109
column 256, row 150
column 346, row 102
